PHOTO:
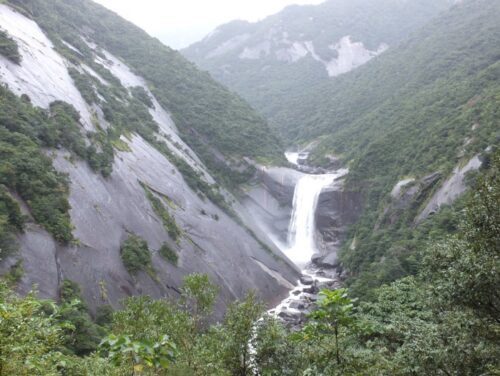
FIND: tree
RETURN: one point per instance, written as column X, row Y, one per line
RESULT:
column 138, row 355
column 198, row 297
column 240, row 329
column 29, row 338
column 335, row 311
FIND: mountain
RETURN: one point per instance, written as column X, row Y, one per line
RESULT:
column 139, row 203
column 113, row 148
column 412, row 125
column 288, row 54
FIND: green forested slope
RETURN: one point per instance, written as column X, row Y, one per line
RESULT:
column 425, row 107
column 271, row 84
column 444, row 78
column 208, row 116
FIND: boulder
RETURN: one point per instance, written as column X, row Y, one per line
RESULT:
column 299, row 304
column 306, row 280
column 311, row 290
column 330, row 260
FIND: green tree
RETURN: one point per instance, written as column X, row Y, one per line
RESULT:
column 239, row 328
column 138, row 355
column 30, row 340
column 136, row 255
column 335, row 312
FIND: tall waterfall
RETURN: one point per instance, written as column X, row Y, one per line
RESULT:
column 302, row 229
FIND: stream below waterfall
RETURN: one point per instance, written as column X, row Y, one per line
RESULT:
column 302, row 244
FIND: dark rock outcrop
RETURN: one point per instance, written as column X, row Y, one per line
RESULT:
column 337, row 209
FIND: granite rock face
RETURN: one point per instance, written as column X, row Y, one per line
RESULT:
column 337, row 210
column 105, row 211
column 450, row 190
column 269, row 201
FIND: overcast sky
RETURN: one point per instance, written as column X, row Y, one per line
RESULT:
column 179, row 23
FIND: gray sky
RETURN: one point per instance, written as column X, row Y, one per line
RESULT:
column 179, row 23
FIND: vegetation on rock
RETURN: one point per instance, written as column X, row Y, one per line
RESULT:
column 208, row 116
column 9, row 48
column 136, row 255
column 169, row 254
column 161, row 211
column 26, row 171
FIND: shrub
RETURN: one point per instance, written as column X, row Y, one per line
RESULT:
column 140, row 94
column 161, row 211
column 81, row 335
column 169, row 254
column 135, row 255
column 9, row 48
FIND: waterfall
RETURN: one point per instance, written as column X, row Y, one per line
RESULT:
column 302, row 229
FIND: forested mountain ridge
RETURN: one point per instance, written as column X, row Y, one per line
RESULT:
column 179, row 86
column 278, row 59
column 114, row 153
column 416, row 117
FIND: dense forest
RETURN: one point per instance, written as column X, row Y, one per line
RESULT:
column 275, row 80
column 445, row 113
column 442, row 321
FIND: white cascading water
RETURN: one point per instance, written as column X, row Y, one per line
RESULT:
column 302, row 241
column 301, row 235
column 302, row 229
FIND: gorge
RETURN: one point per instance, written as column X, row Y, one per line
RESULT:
column 150, row 216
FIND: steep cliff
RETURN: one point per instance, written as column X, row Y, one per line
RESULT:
column 105, row 110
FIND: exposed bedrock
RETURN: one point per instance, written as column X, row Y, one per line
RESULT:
column 280, row 182
column 106, row 211
column 270, row 199
column 337, row 209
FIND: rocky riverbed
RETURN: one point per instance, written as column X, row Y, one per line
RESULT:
column 302, row 299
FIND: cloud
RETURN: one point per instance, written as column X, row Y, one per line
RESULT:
column 181, row 22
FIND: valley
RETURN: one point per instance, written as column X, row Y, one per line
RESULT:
column 314, row 193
